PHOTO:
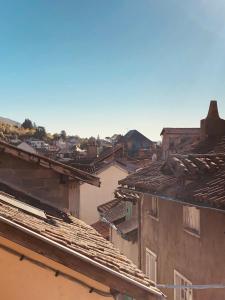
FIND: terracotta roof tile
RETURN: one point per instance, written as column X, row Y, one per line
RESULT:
column 194, row 178
column 113, row 210
column 79, row 237
column 102, row 228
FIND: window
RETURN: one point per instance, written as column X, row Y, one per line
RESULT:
column 182, row 293
column 191, row 219
column 151, row 265
column 154, row 211
column 127, row 298
column 123, row 297
column 129, row 206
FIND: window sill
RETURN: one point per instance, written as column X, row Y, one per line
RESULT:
column 191, row 232
column 154, row 218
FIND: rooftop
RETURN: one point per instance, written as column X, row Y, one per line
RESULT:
column 112, row 210
column 102, row 228
column 136, row 135
column 197, row 177
column 72, row 236
column 193, row 178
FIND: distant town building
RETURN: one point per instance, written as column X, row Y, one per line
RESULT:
column 25, row 146
column 39, row 144
column 136, row 144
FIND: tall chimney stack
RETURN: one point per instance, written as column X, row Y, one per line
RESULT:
column 213, row 110
column 212, row 126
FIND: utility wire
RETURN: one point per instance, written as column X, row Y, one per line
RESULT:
column 191, row 286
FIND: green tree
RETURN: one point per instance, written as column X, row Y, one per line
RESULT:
column 63, row 134
column 27, row 124
column 56, row 136
column 40, row 133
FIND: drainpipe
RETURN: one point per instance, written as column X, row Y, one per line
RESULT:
column 140, row 204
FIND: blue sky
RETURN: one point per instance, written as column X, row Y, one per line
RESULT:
column 106, row 66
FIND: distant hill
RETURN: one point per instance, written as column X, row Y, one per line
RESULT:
column 10, row 122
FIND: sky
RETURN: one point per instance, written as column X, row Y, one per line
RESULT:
column 107, row 66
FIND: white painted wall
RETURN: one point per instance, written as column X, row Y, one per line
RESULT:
column 91, row 197
column 26, row 147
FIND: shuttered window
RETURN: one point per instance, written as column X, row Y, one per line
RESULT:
column 151, row 265
column 191, row 219
column 182, row 293
column 154, row 212
column 129, row 207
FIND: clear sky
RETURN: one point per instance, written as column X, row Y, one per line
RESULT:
column 106, row 66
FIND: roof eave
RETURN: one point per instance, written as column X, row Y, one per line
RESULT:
column 172, row 199
column 74, row 260
column 50, row 164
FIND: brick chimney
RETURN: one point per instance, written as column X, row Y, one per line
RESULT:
column 92, row 150
column 212, row 126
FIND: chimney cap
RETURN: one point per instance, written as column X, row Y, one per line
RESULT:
column 213, row 110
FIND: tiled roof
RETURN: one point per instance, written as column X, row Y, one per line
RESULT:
column 212, row 192
column 136, row 136
column 194, row 167
column 97, row 167
column 113, row 210
column 149, row 178
column 107, row 153
column 90, row 168
column 102, row 228
column 127, row 196
column 77, row 236
column 198, row 179
column 108, row 205
column 220, row 146
column 209, row 145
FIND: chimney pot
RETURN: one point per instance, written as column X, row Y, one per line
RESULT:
column 212, row 125
column 213, row 110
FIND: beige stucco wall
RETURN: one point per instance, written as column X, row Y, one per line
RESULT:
column 22, row 280
column 128, row 248
column 91, row 196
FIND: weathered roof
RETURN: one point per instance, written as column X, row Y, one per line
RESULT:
column 72, row 237
column 49, row 163
column 209, row 145
column 149, row 178
column 108, row 153
column 102, row 228
column 127, row 196
column 197, row 179
column 136, row 135
column 113, row 210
